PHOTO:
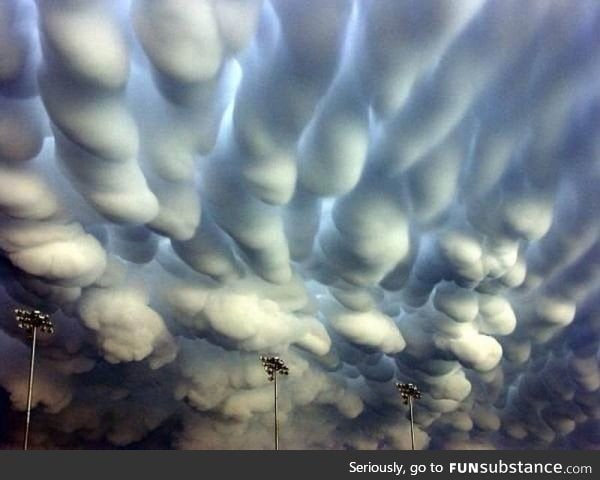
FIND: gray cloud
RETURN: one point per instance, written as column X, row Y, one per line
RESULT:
column 376, row 191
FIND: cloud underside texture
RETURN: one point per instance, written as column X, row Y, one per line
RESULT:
column 377, row 191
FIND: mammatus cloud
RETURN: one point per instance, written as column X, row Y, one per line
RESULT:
column 378, row 191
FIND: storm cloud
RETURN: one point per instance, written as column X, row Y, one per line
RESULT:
column 377, row 191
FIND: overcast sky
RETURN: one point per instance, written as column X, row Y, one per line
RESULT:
column 377, row 191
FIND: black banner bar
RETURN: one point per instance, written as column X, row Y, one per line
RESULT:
column 304, row 465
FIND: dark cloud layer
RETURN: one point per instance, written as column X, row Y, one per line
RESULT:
column 377, row 191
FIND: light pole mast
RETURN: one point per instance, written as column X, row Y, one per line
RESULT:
column 410, row 392
column 31, row 321
column 276, row 423
column 273, row 366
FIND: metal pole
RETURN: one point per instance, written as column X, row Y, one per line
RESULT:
column 412, row 430
column 30, row 390
column 275, row 405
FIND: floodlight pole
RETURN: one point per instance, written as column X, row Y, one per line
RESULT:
column 410, row 392
column 412, row 424
column 30, row 388
column 274, row 366
column 275, row 410
column 31, row 321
